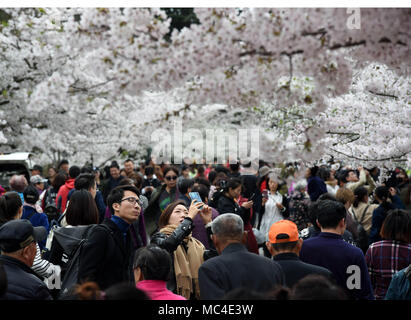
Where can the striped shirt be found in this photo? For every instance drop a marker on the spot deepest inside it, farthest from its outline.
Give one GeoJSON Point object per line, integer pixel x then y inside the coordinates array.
{"type": "Point", "coordinates": [384, 259]}
{"type": "Point", "coordinates": [43, 267]}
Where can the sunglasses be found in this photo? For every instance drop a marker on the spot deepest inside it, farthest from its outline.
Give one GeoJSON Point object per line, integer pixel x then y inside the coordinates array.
{"type": "Point", "coordinates": [169, 178]}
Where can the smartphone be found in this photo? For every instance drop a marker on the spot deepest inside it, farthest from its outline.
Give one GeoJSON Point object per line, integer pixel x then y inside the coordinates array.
{"type": "Point", "coordinates": [265, 194]}
{"type": "Point", "coordinates": [195, 196]}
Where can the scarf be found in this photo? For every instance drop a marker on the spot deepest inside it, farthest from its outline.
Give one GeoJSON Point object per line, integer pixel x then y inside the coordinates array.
{"type": "Point", "coordinates": [186, 264]}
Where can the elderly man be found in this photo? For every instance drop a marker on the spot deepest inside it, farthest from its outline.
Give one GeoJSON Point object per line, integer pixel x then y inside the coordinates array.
{"type": "Point", "coordinates": [284, 245]}
{"type": "Point", "coordinates": [235, 267]}
{"type": "Point", "coordinates": [18, 249]}
{"type": "Point", "coordinates": [18, 183]}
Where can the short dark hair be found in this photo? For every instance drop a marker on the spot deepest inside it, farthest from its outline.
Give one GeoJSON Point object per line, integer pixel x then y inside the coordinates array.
{"type": "Point", "coordinates": [359, 194]}
{"type": "Point", "coordinates": [114, 164]}
{"type": "Point", "coordinates": [74, 171]}
{"type": "Point", "coordinates": [202, 190]}
{"type": "Point", "coordinates": [234, 166]}
{"type": "Point", "coordinates": [211, 176]}
{"type": "Point", "coordinates": [232, 183]}
{"type": "Point", "coordinates": [82, 209]}
{"type": "Point", "coordinates": [285, 246]}
{"type": "Point", "coordinates": [10, 203]}
{"type": "Point", "coordinates": [203, 181]}
{"type": "Point", "coordinates": [397, 226]}
{"type": "Point", "coordinates": [85, 181]}
{"type": "Point", "coordinates": [129, 160]}
{"type": "Point", "coordinates": [184, 185]}
{"type": "Point", "coordinates": [149, 170]}
{"type": "Point", "coordinates": [133, 182]}
{"type": "Point", "coordinates": [117, 193]}
{"type": "Point", "coordinates": [330, 213]}
{"type": "Point", "coordinates": [154, 262]}
{"type": "Point", "coordinates": [64, 161]}
{"type": "Point", "coordinates": [317, 287]}
{"type": "Point", "coordinates": [30, 194]}
{"type": "Point", "coordinates": [125, 291]}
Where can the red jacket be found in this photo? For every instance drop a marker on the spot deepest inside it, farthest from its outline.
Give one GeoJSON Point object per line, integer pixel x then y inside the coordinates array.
{"type": "Point", "coordinates": [63, 193]}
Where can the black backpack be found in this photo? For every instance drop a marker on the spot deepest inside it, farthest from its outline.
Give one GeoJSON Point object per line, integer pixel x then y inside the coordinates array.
{"type": "Point", "coordinates": [50, 208]}
{"type": "Point", "coordinates": [72, 240]}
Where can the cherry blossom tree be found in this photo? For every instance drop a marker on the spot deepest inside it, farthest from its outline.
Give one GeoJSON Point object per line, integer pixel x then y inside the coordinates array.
{"type": "Point", "coordinates": [100, 80]}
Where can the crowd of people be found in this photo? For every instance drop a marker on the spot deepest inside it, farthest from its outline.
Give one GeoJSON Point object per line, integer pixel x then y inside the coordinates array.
{"type": "Point", "coordinates": [206, 232]}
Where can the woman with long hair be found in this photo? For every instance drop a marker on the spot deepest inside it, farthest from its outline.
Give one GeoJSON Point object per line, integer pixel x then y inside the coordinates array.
{"type": "Point", "coordinates": [175, 227]}
{"type": "Point", "coordinates": [392, 254]}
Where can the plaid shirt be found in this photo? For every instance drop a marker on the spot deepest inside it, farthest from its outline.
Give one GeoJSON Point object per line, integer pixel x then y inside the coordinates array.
{"type": "Point", "coordinates": [385, 258]}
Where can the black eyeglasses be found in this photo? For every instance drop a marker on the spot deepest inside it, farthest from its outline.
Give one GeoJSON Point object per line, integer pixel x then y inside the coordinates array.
{"type": "Point", "coordinates": [169, 178]}
{"type": "Point", "coordinates": [132, 200]}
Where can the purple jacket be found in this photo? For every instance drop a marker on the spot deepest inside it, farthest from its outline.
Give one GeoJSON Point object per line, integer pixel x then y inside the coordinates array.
{"type": "Point", "coordinates": [199, 231]}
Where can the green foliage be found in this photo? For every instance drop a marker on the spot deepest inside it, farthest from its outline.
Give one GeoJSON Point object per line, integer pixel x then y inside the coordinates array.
{"type": "Point", "coordinates": [180, 18]}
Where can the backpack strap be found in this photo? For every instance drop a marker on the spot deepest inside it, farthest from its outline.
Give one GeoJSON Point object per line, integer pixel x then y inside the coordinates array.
{"type": "Point", "coordinates": [363, 214]}
{"type": "Point", "coordinates": [30, 215]}
{"type": "Point", "coordinates": [408, 273]}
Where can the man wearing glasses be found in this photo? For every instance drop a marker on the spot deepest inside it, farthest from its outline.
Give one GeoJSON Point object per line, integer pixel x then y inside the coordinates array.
{"type": "Point", "coordinates": [161, 198]}
{"type": "Point", "coordinates": [107, 257]}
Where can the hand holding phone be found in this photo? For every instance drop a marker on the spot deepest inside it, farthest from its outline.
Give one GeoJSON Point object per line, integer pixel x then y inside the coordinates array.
{"type": "Point", "coordinates": [195, 196]}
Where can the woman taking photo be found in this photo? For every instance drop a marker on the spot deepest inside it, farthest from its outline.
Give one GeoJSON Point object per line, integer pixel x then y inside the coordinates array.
{"type": "Point", "coordinates": [275, 207]}
{"type": "Point", "coordinates": [230, 200]}
{"type": "Point", "coordinates": [176, 224]}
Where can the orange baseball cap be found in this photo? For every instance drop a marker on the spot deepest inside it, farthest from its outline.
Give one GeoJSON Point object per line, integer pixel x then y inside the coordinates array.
{"type": "Point", "coordinates": [283, 231]}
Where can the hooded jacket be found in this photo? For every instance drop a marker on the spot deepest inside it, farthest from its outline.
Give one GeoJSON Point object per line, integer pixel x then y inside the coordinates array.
{"type": "Point", "coordinates": [63, 194]}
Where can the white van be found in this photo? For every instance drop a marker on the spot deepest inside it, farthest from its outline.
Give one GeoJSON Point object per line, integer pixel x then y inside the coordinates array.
{"type": "Point", "coordinates": [15, 163]}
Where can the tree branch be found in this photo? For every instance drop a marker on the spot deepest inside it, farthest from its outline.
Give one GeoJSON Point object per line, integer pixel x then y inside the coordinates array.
{"type": "Point", "coordinates": [395, 158]}
{"type": "Point", "coordinates": [383, 94]}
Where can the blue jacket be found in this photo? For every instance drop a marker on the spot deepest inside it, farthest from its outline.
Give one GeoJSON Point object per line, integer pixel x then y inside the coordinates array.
{"type": "Point", "coordinates": [315, 187]}
{"type": "Point", "coordinates": [37, 220]}
{"type": "Point", "coordinates": [378, 217]}
{"type": "Point", "coordinates": [330, 251]}
{"type": "Point", "coordinates": [400, 288]}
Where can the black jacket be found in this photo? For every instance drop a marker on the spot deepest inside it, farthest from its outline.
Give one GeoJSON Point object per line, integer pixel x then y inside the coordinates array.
{"type": "Point", "coordinates": [228, 205]}
{"type": "Point", "coordinates": [238, 268]}
{"type": "Point", "coordinates": [153, 212]}
{"type": "Point", "coordinates": [106, 258]}
{"type": "Point", "coordinates": [295, 269]}
{"type": "Point", "coordinates": [172, 241]}
{"type": "Point", "coordinates": [22, 282]}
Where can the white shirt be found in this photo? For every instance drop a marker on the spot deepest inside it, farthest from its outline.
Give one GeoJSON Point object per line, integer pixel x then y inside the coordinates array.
{"type": "Point", "coordinates": [272, 214]}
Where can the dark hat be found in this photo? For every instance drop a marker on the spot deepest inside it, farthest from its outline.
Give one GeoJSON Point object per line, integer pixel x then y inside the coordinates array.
{"type": "Point", "coordinates": [18, 234]}
{"type": "Point", "coordinates": [30, 194]}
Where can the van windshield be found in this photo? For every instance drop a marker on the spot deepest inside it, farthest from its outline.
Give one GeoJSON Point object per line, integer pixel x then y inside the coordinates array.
{"type": "Point", "coordinates": [7, 170]}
